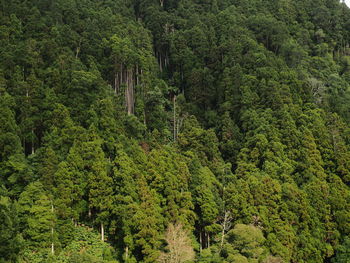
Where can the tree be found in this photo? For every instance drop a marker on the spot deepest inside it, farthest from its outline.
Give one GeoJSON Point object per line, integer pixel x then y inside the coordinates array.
{"type": "Point", "coordinates": [130, 116]}
{"type": "Point", "coordinates": [168, 174]}
{"type": "Point", "coordinates": [126, 172]}
{"type": "Point", "coordinates": [342, 253]}
{"type": "Point", "coordinates": [13, 165]}
{"type": "Point", "coordinates": [246, 242]}
{"type": "Point", "coordinates": [10, 143]}
{"type": "Point", "coordinates": [179, 247]}
{"type": "Point", "coordinates": [149, 222]}
{"type": "Point", "coordinates": [206, 205]}
{"type": "Point", "coordinates": [37, 218]}
{"type": "Point", "coordinates": [99, 182]}
{"type": "Point", "coordinates": [10, 239]}
{"type": "Point", "coordinates": [47, 169]}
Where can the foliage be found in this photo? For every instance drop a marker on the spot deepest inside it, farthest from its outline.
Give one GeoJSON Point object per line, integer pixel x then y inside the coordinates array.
{"type": "Point", "coordinates": [225, 122]}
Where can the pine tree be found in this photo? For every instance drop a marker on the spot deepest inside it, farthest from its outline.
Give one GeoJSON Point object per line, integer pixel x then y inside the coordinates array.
{"type": "Point", "coordinates": [149, 222]}
{"type": "Point", "coordinates": [37, 218]}
{"type": "Point", "coordinates": [10, 239]}
{"type": "Point", "coordinates": [99, 183]}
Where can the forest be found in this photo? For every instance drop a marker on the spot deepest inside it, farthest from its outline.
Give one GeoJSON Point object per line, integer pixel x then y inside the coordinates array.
{"type": "Point", "coordinates": [172, 131]}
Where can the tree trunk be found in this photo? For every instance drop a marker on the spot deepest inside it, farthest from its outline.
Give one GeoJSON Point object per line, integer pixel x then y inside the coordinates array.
{"type": "Point", "coordinates": [160, 62]}
{"type": "Point", "coordinates": [126, 252]}
{"type": "Point", "coordinates": [52, 247]}
{"type": "Point", "coordinates": [121, 74]}
{"type": "Point", "coordinates": [141, 84]}
{"type": "Point", "coordinates": [102, 233]}
{"type": "Point", "coordinates": [132, 91]}
{"type": "Point", "coordinates": [116, 83]}
{"type": "Point", "coordinates": [129, 92]}
{"type": "Point", "coordinates": [222, 237]}
{"type": "Point", "coordinates": [226, 225]}
{"type": "Point", "coordinates": [78, 50]}
{"type": "Point", "coordinates": [52, 244]}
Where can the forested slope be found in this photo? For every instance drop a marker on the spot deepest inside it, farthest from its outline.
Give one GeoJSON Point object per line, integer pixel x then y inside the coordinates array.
{"type": "Point", "coordinates": [208, 130]}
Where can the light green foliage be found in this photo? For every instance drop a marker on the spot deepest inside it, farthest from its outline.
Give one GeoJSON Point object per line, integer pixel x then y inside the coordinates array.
{"type": "Point", "coordinates": [37, 219]}
{"type": "Point", "coordinates": [99, 182]}
{"type": "Point", "coordinates": [125, 175]}
{"type": "Point", "coordinates": [169, 175]}
{"type": "Point", "coordinates": [86, 246]}
{"type": "Point", "coordinates": [148, 222]}
{"type": "Point", "coordinates": [245, 244]}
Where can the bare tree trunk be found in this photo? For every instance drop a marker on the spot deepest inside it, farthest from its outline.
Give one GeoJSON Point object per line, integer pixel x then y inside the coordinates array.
{"type": "Point", "coordinates": [52, 244]}
{"type": "Point", "coordinates": [160, 62]}
{"type": "Point", "coordinates": [142, 91]}
{"type": "Point", "coordinates": [116, 83]}
{"type": "Point", "coordinates": [222, 238]}
{"type": "Point", "coordinates": [102, 232]}
{"type": "Point", "coordinates": [226, 225]}
{"type": "Point", "coordinates": [132, 89]}
{"type": "Point", "coordinates": [78, 49]}
{"type": "Point", "coordinates": [74, 222]}
{"type": "Point", "coordinates": [126, 252]}
{"type": "Point", "coordinates": [129, 92]}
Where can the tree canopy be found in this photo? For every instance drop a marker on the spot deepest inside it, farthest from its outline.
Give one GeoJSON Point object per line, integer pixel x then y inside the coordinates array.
{"type": "Point", "coordinates": [174, 131]}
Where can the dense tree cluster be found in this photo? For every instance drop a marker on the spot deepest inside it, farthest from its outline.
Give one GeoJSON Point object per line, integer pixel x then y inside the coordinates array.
{"type": "Point", "coordinates": [174, 131]}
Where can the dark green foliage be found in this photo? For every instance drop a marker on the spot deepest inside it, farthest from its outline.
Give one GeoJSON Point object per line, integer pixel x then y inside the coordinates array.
{"type": "Point", "coordinates": [10, 239]}
{"type": "Point", "coordinates": [120, 118]}
{"type": "Point", "coordinates": [342, 252]}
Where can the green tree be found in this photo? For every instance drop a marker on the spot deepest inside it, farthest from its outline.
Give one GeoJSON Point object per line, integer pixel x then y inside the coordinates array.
{"type": "Point", "coordinates": [37, 218]}
{"type": "Point", "coordinates": [10, 239]}
{"type": "Point", "coordinates": [246, 244]}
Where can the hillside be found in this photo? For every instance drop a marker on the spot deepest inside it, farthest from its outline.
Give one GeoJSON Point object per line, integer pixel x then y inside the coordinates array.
{"type": "Point", "coordinates": [174, 131]}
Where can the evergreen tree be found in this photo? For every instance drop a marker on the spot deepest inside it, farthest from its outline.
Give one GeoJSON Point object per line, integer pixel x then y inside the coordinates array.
{"type": "Point", "coordinates": [10, 239]}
